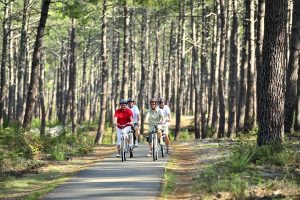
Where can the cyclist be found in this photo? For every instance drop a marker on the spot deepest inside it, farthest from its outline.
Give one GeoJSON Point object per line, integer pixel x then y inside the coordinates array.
{"type": "Point", "coordinates": [123, 116]}
{"type": "Point", "coordinates": [154, 116]}
{"type": "Point", "coordinates": [167, 119]}
{"type": "Point", "coordinates": [136, 119]}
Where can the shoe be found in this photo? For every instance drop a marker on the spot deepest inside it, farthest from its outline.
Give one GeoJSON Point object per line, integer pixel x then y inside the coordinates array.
{"type": "Point", "coordinates": [136, 143]}
{"type": "Point", "coordinates": [168, 151]}
{"type": "Point", "coordinates": [118, 155]}
{"type": "Point", "coordinates": [149, 154]}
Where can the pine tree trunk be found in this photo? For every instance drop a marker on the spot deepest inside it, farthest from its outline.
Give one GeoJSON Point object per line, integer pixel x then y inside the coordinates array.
{"type": "Point", "coordinates": [103, 97]}
{"type": "Point", "coordinates": [194, 71]}
{"type": "Point", "coordinates": [32, 91]}
{"type": "Point", "coordinates": [249, 111]}
{"type": "Point", "coordinates": [22, 63]}
{"type": "Point", "coordinates": [144, 57]}
{"type": "Point", "coordinates": [72, 80]}
{"type": "Point", "coordinates": [42, 93]}
{"type": "Point", "coordinates": [271, 74]}
{"type": "Point", "coordinates": [204, 72]}
{"type": "Point", "coordinates": [292, 71]}
{"type": "Point", "coordinates": [243, 78]}
{"type": "Point", "coordinates": [181, 53]}
{"type": "Point", "coordinates": [221, 129]}
{"type": "Point", "coordinates": [3, 89]}
{"type": "Point", "coordinates": [154, 91]}
{"type": "Point", "coordinates": [124, 88]}
{"type": "Point", "coordinates": [233, 70]}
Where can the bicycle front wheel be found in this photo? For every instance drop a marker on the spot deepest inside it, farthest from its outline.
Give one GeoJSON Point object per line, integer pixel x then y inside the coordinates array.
{"type": "Point", "coordinates": [154, 147]}
{"type": "Point", "coordinates": [123, 147]}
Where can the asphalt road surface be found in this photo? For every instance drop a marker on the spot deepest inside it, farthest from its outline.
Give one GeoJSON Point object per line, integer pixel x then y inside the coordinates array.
{"type": "Point", "coordinates": [137, 178]}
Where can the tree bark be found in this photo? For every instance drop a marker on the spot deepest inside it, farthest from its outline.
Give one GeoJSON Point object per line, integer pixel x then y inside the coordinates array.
{"type": "Point", "coordinates": [250, 103]}
{"type": "Point", "coordinates": [124, 88]}
{"type": "Point", "coordinates": [103, 96]}
{"type": "Point", "coordinates": [233, 70]}
{"type": "Point", "coordinates": [181, 53]}
{"type": "Point", "coordinates": [271, 74]}
{"type": "Point", "coordinates": [32, 91]}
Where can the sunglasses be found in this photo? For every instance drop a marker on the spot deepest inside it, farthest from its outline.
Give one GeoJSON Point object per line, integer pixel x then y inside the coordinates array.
{"type": "Point", "coordinates": [152, 103]}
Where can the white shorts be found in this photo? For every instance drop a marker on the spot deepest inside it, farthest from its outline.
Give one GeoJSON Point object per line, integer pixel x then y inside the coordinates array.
{"type": "Point", "coordinates": [119, 133]}
{"type": "Point", "coordinates": [165, 128]}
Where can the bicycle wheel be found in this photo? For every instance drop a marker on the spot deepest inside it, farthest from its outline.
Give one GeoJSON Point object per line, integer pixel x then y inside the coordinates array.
{"type": "Point", "coordinates": [154, 147]}
{"type": "Point", "coordinates": [122, 149]}
{"type": "Point", "coordinates": [162, 150]}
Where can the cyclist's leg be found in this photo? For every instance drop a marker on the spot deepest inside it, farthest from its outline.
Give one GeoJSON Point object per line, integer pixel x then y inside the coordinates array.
{"type": "Point", "coordinates": [167, 139]}
{"type": "Point", "coordinates": [119, 132]}
{"type": "Point", "coordinates": [150, 144]}
{"type": "Point", "coordinates": [137, 133]}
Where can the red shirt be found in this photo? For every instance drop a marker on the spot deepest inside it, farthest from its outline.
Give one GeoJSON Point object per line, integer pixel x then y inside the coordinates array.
{"type": "Point", "coordinates": [123, 116]}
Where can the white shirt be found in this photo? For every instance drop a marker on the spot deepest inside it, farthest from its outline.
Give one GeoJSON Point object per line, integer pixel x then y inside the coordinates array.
{"type": "Point", "coordinates": [135, 110]}
{"type": "Point", "coordinates": [166, 112]}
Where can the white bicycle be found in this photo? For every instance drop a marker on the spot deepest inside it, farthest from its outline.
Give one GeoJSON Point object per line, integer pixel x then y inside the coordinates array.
{"type": "Point", "coordinates": [156, 144]}
{"type": "Point", "coordinates": [126, 142]}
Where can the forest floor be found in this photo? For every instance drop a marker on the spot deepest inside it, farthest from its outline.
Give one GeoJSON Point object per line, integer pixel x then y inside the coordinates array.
{"type": "Point", "coordinates": [206, 170]}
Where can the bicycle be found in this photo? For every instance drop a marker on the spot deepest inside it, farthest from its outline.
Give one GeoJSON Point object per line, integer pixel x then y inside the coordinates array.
{"type": "Point", "coordinates": [154, 141]}
{"type": "Point", "coordinates": [126, 140]}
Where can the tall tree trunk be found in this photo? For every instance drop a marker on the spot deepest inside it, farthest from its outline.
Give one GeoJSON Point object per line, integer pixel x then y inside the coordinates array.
{"type": "Point", "coordinates": [124, 89]}
{"type": "Point", "coordinates": [181, 53]}
{"type": "Point", "coordinates": [233, 70]}
{"type": "Point", "coordinates": [32, 91]}
{"type": "Point", "coordinates": [204, 72]}
{"type": "Point", "coordinates": [250, 103]}
{"type": "Point", "coordinates": [194, 70]}
{"type": "Point", "coordinates": [42, 93]}
{"type": "Point", "coordinates": [22, 63]}
{"type": "Point", "coordinates": [103, 97]}
{"type": "Point", "coordinates": [221, 129]}
{"type": "Point", "coordinates": [243, 78]}
{"type": "Point", "coordinates": [3, 89]}
{"type": "Point", "coordinates": [155, 87]}
{"type": "Point", "coordinates": [144, 45]}
{"type": "Point", "coordinates": [72, 79]}
{"type": "Point", "coordinates": [271, 74]}
{"type": "Point", "coordinates": [292, 71]}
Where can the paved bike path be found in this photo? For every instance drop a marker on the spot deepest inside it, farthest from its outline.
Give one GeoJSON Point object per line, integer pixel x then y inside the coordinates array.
{"type": "Point", "coordinates": [137, 178]}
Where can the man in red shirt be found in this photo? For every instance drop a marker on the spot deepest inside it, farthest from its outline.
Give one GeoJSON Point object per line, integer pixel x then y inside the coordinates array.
{"type": "Point", "coordinates": [123, 119]}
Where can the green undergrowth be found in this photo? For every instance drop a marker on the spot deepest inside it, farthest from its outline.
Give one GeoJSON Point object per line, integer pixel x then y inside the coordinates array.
{"type": "Point", "coordinates": [21, 151]}
{"type": "Point", "coordinates": [252, 172]}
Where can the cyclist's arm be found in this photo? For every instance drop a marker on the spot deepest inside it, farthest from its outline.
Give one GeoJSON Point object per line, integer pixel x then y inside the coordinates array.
{"type": "Point", "coordinates": [115, 120]}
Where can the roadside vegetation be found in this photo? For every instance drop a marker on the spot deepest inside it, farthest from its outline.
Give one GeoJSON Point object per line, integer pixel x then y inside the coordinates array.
{"type": "Point", "coordinates": [31, 165]}
{"type": "Point", "coordinates": [234, 169]}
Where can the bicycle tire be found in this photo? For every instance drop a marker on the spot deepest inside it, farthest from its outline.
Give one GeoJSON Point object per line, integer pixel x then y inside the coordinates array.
{"type": "Point", "coordinates": [122, 149]}
{"type": "Point", "coordinates": [154, 147]}
{"type": "Point", "coordinates": [162, 150]}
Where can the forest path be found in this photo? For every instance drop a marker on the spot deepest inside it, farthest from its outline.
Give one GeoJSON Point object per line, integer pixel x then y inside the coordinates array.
{"type": "Point", "coordinates": [137, 178]}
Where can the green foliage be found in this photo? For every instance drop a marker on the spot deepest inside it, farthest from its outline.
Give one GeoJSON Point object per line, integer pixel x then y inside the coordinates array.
{"type": "Point", "coordinates": [67, 144]}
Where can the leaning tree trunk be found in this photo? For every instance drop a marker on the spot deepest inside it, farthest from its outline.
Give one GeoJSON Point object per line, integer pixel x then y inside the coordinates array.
{"type": "Point", "coordinates": [233, 70]}
{"type": "Point", "coordinates": [32, 91]}
{"type": "Point", "coordinates": [271, 74]}
{"type": "Point", "coordinates": [292, 71]}
{"type": "Point", "coordinates": [103, 97]}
